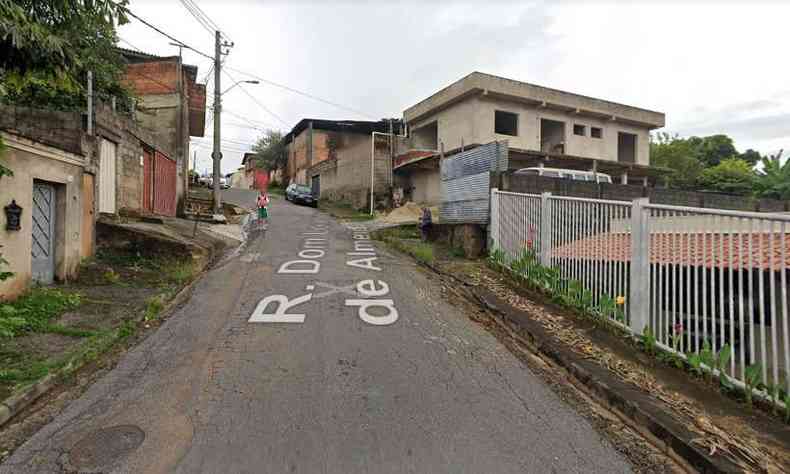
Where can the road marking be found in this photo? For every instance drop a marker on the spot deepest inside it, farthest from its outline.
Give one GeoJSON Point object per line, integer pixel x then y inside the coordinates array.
{"type": "Point", "coordinates": [348, 290]}
{"type": "Point", "coordinates": [279, 315]}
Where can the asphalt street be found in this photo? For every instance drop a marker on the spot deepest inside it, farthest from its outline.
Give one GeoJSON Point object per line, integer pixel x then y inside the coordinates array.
{"type": "Point", "coordinates": [315, 350]}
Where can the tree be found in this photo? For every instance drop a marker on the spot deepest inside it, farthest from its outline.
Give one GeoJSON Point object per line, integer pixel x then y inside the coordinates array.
{"type": "Point", "coordinates": [712, 150]}
{"type": "Point", "coordinates": [270, 151]}
{"type": "Point", "coordinates": [751, 156]}
{"type": "Point", "coordinates": [773, 180]}
{"type": "Point", "coordinates": [732, 175]}
{"type": "Point", "coordinates": [47, 47]}
{"type": "Point", "coordinates": [677, 154]}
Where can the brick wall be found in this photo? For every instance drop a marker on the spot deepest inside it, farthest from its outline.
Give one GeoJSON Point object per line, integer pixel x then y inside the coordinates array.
{"type": "Point", "coordinates": [625, 192]}
{"type": "Point", "coordinates": [152, 78]}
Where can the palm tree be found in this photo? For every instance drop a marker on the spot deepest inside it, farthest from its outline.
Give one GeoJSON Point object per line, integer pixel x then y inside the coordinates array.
{"type": "Point", "coordinates": [773, 180]}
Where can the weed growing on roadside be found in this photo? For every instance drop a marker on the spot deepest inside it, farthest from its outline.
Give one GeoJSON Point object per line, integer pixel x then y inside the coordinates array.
{"type": "Point", "coordinates": [111, 277]}
{"type": "Point", "coordinates": [153, 308]}
{"type": "Point", "coordinates": [649, 341]}
{"type": "Point", "coordinates": [753, 377]}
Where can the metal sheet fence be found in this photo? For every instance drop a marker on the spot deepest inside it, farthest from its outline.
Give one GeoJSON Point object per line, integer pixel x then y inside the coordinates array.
{"type": "Point", "coordinates": [465, 183]}
{"type": "Point", "coordinates": [704, 281]}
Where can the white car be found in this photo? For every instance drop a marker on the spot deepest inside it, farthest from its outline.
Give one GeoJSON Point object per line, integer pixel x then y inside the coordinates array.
{"type": "Point", "coordinates": [575, 175]}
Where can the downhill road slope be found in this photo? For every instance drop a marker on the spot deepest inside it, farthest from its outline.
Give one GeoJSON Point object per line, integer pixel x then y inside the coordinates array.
{"type": "Point", "coordinates": [379, 375]}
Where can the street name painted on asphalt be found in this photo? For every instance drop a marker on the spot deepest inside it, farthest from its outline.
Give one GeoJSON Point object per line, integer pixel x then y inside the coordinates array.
{"type": "Point", "coordinates": [369, 294]}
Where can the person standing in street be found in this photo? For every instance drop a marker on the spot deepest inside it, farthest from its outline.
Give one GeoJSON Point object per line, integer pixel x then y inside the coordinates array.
{"type": "Point", "coordinates": [425, 223]}
{"type": "Point", "coordinates": [263, 204]}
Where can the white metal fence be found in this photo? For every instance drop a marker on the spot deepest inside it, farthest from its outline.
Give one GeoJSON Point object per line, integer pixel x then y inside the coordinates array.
{"type": "Point", "coordinates": [702, 280]}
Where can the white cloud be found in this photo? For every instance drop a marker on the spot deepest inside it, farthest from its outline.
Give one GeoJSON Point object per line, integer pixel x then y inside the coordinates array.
{"type": "Point", "coordinates": [711, 67]}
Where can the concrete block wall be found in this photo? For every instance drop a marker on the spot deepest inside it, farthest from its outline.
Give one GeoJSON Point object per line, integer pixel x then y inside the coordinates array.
{"type": "Point", "coordinates": [130, 138]}
{"type": "Point", "coordinates": [346, 177]}
{"type": "Point", "coordinates": [62, 130]}
{"type": "Point", "coordinates": [621, 192]}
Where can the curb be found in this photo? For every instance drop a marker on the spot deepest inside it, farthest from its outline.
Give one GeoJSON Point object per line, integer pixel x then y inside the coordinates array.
{"type": "Point", "coordinates": [632, 406]}
{"type": "Point", "coordinates": [21, 399]}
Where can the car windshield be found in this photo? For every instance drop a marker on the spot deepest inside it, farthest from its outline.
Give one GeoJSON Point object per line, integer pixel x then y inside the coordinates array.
{"type": "Point", "coordinates": [302, 189]}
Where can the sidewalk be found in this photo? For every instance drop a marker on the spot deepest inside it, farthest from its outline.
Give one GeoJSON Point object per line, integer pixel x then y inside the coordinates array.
{"type": "Point", "coordinates": [684, 416]}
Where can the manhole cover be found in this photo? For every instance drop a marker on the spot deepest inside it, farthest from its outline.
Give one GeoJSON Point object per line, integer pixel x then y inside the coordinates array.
{"type": "Point", "coordinates": [103, 447]}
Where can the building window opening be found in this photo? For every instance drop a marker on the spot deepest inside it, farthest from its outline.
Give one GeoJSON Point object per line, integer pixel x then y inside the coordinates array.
{"type": "Point", "coordinates": [626, 147]}
{"type": "Point", "coordinates": [552, 136]}
{"type": "Point", "coordinates": [579, 130]}
{"type": "Point", "coordinates": [426, 137]}
{"type": "Point", "coordinates": [596, 132]}
{"type": "Point", "coordinates": [506, 123]}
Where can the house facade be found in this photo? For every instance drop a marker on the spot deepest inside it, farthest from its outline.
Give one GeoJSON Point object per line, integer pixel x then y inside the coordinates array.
{"type": "Point", "coordinates": [335, 158]}
{"type": "Point", "coordinates": [172, 105]}
{"type": "Point", "coordinates": [542, 126]}
{"type": "Point", "coordinates": [64, 177]}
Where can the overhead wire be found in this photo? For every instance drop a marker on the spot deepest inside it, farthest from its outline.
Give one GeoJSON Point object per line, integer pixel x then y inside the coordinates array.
{"type": "Point", "coordinates": [254, 99]}
{"type": "Point", "coordinates": [202, 21]}
{"type": "Point", "coordinates": [166, 35]}
{"type": "Point", "coordinates": [302, 93]}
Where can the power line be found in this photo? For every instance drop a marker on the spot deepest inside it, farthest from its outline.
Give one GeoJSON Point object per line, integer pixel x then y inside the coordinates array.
{"type": "Point", "coordinates": [205, 24]}
{"type": "Point", "coordinates": [302, 93]}
{"type": "Point", "coordinates": [254, 99]}
{"type": "Point", "coordinates": [181, 43]}
{"type": "Point", "coordinates": [208, 19]}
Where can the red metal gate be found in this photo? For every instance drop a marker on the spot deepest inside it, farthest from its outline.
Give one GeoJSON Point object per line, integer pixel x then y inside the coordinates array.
{"type": "Point", "coordinates": [261, 180]}
{"type": "Point", "coordinates": [164, 185]}
{"type": "Point", "coordinates": [148, 181]}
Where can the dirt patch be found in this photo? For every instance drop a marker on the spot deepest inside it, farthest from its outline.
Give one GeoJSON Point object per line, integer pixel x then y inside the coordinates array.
{"type": "Point", "coordinates": [409, 213]}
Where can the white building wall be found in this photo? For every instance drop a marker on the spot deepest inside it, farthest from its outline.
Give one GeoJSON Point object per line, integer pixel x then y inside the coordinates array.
{"type": "Point", "coordinates": [472, 121]}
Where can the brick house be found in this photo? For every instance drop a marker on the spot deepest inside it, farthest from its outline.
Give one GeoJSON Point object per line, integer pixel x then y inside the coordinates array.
{"type": "Point", "coordinates": [172, 105]}
{"type": "Point", "coordinates": [334, 157]}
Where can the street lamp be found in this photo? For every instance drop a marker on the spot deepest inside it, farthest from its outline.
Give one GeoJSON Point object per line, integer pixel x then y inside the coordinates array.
{"type": "Point", "coordinates": [216, 155]}
{"type": "Point", "coordinates": [237, 83]}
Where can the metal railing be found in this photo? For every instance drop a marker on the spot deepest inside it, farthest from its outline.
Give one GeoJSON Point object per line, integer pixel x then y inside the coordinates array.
{"type": "Point", "coordinates": [704, 282]}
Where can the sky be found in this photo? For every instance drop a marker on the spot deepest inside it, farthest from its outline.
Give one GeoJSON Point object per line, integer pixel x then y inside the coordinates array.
{"type": "Point", "coordinates": [711, 67]}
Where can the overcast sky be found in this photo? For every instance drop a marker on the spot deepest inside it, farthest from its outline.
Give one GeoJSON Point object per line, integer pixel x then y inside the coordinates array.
{"type": "Point", "coordinates": [712, 67]}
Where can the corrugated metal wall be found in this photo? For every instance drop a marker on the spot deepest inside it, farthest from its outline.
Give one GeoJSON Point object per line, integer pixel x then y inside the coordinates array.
{"type": "Point", "coordinates": [164, 185]}
{"type": "Point", "coordinates": [465, 183]}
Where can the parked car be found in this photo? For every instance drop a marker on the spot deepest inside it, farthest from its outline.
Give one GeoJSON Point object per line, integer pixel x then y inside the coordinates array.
{"type": "Point", "coordinates": [575, 175]}
{"type": "Point", "coordinates": [300, 194]}
{"type": "Point", "coordinates": [223, 183]}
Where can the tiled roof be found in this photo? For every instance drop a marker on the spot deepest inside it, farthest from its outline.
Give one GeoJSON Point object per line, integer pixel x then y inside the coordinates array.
{"type": "Point", "coordinates": [694, 249]}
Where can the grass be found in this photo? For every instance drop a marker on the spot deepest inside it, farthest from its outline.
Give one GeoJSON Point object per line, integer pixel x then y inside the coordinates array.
{"type": "Point", "coordinates": [33, 311]}
{"type": "Point", "coordinates": [344, 210]}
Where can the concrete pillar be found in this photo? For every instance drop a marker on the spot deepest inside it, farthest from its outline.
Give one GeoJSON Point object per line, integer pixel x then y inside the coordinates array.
{"type": "Point", "coordinates": [624, 178]}
{"type": "Point", "coordinates": [638, 300]}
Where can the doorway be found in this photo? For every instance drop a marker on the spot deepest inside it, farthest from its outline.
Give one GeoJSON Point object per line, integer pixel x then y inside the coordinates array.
{"type": "Point", "coordinates": [552, 136]}
{"type": "Point", "coordinates": [107, 177]}
{"type": "Point", "coordinates": [316, 185]}
{"type": "Point", "coordinates": [626, 147]}
{"type": "Point", "coordinates": [43, 232]}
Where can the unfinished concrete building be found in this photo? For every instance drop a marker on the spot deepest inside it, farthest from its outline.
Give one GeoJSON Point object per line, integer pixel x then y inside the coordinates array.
{"type": "Point", "coordinates": [543, 127]}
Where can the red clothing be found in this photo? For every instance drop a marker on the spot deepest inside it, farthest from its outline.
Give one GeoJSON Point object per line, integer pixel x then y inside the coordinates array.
{"type": "Point", "coordinates": [263, 200]}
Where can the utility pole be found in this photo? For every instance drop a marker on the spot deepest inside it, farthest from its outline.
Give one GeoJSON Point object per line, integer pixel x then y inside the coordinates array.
{"type": "Point", "coordinates": [216, 155]}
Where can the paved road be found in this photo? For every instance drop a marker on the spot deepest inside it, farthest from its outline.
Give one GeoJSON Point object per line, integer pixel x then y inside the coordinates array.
{"type": "Point", "coordinates": [359, 386]}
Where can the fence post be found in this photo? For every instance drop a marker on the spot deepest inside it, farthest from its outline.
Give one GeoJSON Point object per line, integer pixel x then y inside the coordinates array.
{"type": "Point", "coordinates": [494, 216]}
{"type": "Point", "coordinates": [639, 287]}
{"type": "Point", "coordinates": [545, 229]}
